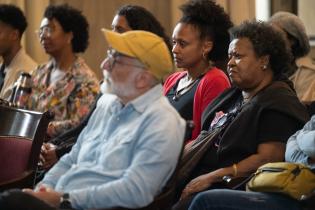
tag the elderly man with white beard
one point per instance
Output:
(131, 144)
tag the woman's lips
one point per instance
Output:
(177, 60)
(231, 72)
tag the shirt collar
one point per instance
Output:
(74, 67)
(17, 55)
(146, 99)
(305, 62)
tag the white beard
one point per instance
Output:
(121, 90)
(106, 86)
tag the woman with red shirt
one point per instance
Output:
(200, 39)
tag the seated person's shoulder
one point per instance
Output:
(306, 63)
(171, 79)
(162, 107)
(269, 128)
(106, 99)
(40, 68)
(165, 121)
(279, 94)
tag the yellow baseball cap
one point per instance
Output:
(149, 48)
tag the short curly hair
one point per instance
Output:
(266, 41)
(139, 18)
(71, 20)
(13, 16)
(212, 23)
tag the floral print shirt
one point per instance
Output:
(70, 98)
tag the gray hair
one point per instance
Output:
(294, 27)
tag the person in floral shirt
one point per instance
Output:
(65, 85)
(128, 17)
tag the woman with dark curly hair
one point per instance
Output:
(200, 39)
(65, 85)
(134, 17)
(258, 114)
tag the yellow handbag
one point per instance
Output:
(295, 180)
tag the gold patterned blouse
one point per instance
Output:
(69, 98)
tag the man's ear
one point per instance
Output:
(143, 80)
(15, 34)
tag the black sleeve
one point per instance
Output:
(276, 126)
(65, 141)
(70, 134)
(65, 147)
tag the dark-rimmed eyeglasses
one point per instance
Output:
(112, 59)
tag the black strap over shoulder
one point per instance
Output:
(220, 102)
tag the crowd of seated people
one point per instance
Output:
(260, 100)
(120, 146)
(124, 156)
(200, 92)
(128, 17)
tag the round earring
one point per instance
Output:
(264, 67)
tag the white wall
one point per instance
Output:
(306, 11)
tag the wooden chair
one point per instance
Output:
(22, 133)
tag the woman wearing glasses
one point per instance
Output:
(64, 85)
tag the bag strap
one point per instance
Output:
(221, 101)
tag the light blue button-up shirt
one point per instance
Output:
(125, 154)
(301, 146)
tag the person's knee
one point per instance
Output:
(16, 200)
(9, 198)
(199, 201)
(209, 198)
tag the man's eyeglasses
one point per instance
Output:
(112, 59)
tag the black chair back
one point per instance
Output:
(24, 125)
(18, 122)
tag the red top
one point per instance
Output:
(210, 86)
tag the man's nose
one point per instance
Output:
(105, 64)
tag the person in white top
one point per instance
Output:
(15, 59)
